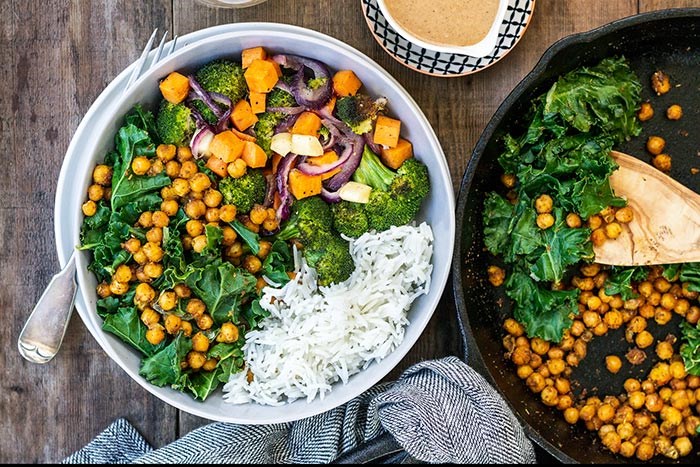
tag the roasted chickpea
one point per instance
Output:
(556, 366)
(212, 215)
(573, 220)
(234, 251)
(664, 350)
(210, 364)
(252, 264)
(613, 230)
(212, 198)
(149, 317)
(598, 237)
(683, 445)
(524, 371)
(624, 215)
(644, 339)
(172, 169)
(186, 328)
(196, 359)
(184, 153)
(645, 450)
(637, 399)
(205, 322)
(655, 145)
(195, 307)
(571, 415)
(613, 319)
(140, 257)
(118, 288)
(496, 275)
(662, 316)
(155, 235)
(646, 112)
(155, 334)
(535, 382)
(613, 363)
(513, 328)
(188, 169)
(544, 204)
(227, 213)
(662, 162)
(182, 291)
(550, 396)
(89, 208)
(677, 370)
(194, 227)
(660, 82)
(153, 270)
(591, 319)
(199, 243)
(166, 152)
(674, 112)
(545, 221)
(103, 290)
(521, 356)
(195, 208)
(102, 175)
(172, 324)
(200, 182)
(508, 180)
(228, 333)
(153, 252)
(200, 343)
(167, 192)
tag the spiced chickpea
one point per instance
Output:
(496, 275)
(544, 221)
(513, 328)
(544, 204)
(663, 162)
(535, 382)
(655, 145)
(573, 220)
(550, 396)
(646, 112)
(521, 356)
(644, 339)
(660, 82)
(508, 180)
(674, 112)
(613, 363)
(664, 350)
(598, 237)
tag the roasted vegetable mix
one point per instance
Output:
(199, 208)
(557, 206)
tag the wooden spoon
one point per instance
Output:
(666, 224)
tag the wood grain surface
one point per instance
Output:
(57, 56)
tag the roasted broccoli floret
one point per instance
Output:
(265, 129)
(224, 77)
(359, 111)
(400, 204)
(350, 218)
(330, 256)
(309, 215)
(395, 199)
(244, 192)
(279, 98)
(174, 124)
(311, 223)
(373, 172)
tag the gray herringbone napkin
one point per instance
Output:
(438, 411)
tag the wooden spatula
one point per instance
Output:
(666, 224)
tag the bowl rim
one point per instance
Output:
(242, 30)
(473, 354)
(479, 49)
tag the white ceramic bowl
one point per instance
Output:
(482, 48)
(95, 136)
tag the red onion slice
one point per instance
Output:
(330, 196)
(349, 166)
(285, 166)
(311, 169)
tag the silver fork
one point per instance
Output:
(46, 326)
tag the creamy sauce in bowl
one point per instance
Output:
(445, 22)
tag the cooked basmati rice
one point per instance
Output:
(316, 336)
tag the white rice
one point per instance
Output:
(316, 336)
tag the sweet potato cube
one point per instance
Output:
(175, 88)
(217, 166)
(248, 56)
(308, 123)
(226, 146)
(243, 116)
(253, 155)
(261, 76)
(346, 83)
(386, 131)
(394, 157)
(302, 185)
(257, 102)
(327, 158)
(276, 66)
(243, 136)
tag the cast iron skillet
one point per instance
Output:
(667, 40)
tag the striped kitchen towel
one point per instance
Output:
(440, 411)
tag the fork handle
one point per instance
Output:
(43, 332)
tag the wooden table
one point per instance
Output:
(57, 56)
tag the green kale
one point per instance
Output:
(163, 368)
(690, 349)
(126, 325)
(621, 279)
(564, 153)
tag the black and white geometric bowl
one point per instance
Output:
(430, 62)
